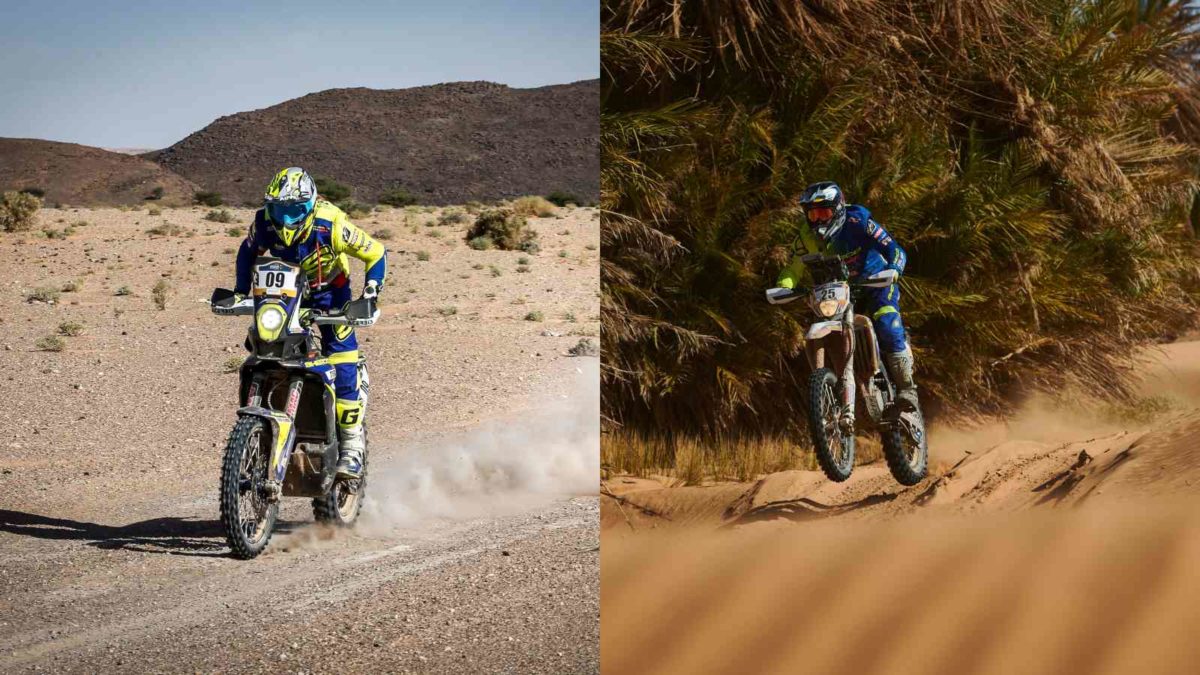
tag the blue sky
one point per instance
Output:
(142, 73)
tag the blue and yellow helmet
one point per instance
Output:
(290, 199)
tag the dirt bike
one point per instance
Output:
(844, 362)
(285, 441)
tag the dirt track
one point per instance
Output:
(477, 551)
(1031, 554)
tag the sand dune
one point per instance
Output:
(1023, 553)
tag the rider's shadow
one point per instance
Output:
(173, 536)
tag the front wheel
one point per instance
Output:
(247, 515)
(341, 505)
(906, 448)
(834, 447)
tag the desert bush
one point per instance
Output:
(482, 243)
(123, 291)
(70, 328)
(154, 211)
(533, 206)
(331, 190)
(506, 230)
(397, 197)
(50, 343)
(170, 230)
(495, 270)
(386, 234)
(18, 211)
(51, 233)
(560, 198)
(219, 216)
(156, 194)
(423, 255)
(46, 294)
(535, 315)
(452, 217)
(585, 347)
(160, 293)
(35, 191)
(72, 286)
(447, 311)
(206, 198)
(233, 364)
(1005, 162)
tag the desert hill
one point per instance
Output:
(446, 143)
(79, 174)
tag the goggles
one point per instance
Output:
(288, 214)
(819, 214)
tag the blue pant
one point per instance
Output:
(883, 306)
(340, 345)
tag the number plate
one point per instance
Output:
(275, 279)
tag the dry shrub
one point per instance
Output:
(507, 230)
(160, 293)
(533, 206)
(692, 461)
(18, 211)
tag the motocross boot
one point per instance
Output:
(350, 459)
(900, 367)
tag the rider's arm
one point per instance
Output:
(349, 238)
(877, 238)
(250, 249)
(795, 271)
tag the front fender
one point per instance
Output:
(283, 434)
(821, 329)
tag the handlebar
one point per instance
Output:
(780, 296)
(361, 313)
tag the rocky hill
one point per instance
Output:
(446, 143)
(78, 174)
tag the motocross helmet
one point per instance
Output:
(290, 199)
(825, 208)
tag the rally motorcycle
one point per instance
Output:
(843, 352)
(285, 441)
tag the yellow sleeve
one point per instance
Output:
(795, 271)
(350, 239)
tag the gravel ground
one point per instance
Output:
(111, 557)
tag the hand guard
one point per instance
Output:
(371, 290)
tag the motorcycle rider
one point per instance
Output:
(848, 231)
(297, 226)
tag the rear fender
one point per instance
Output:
(283, 436)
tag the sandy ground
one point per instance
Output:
(1056, 542)
(478, 546)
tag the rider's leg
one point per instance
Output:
(340, 345)
(893, 342)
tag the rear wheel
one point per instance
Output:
(247, 516)
(833, 447)
(341, 505)
(906, 448)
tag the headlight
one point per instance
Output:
(271, 318)
(827, 308)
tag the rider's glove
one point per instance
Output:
(371, 290)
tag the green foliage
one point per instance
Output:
(560, 198)
(222, 216)
(331, 190)
(46, 294)
(507, 231)
(70, 328)
(205, 198)
(50, 343)
(156, 193)
(1037, 160)
(18, 211)
(397, 197)
(535, 316)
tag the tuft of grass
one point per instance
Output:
(70, 328)
(50, 343)
(170, 230)
(154, 211)
(386, 234)
(560, 198)
(483, 243)
(219, 216)
(233, 364)
(72, 286)
(692, 462)
(423, 255)
(123, 291)
(495, 270)
(507, 230)
(523, 260)
(522, 269)
(208, 198)
(18, 211)
(46, 294)
(452, 217)
(447, 311)
(535, 315)
(160, 293)
(156, 194)
(397, 197)
(533, 206)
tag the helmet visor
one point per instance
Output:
(820, 214)
(288, 214)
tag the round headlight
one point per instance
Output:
(827, 308)
(271, 318)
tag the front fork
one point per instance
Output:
(816, 353)
(284, 427)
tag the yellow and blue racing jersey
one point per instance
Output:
(325, 239)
